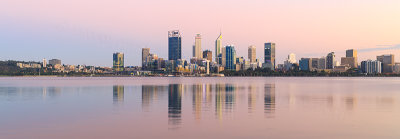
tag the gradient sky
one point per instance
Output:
(89, 31)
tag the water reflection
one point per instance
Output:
(174, 104)
(269, 99)
(150, 93)
(118, 94)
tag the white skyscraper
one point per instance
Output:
(292, 58)
(197, 52)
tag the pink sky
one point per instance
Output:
(308, 28)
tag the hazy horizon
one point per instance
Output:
(89, 31)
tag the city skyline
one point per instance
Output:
(55, 31)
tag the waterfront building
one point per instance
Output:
(207, 54)
(269, 55)
(54, 62)
(387, 62)
(230, 57)
(252, 53)
(174, 45)
(118, 61)
(218, 49)
(371, 67)
(330, 60)
(288, 63)
(305, 64)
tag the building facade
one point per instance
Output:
(54, 62)
(252, 53)
(387, 63)
(371, 67)
(207, 54)
(230, 57)
(174, 45)
(269, 55)
(197, 52)
(330, 60)
(118, 61)
(145, 54)
(218, 49)
(305, 64)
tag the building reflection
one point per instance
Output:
(269, 99)
(118, 94)
(174, 104)
(252, 97)
(197, 90)
(224, 99)
(151, 93)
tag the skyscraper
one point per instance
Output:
(305, 64)
(351, 53)
(207, 54)
(118, 61)
(197, 53)
(230, 57)
(292, 58)
(145, 54)
(252, 53)
(387, 62)
(269, 55)
(218, 47)
(174, 45)
(350, 59)
(330, 60)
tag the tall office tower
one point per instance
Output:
(207, 54)
(230, 57)
(370, 66)
(387, 62)
(174, 45)
(54, 62)
(350, 59)
(223, 57)
(118, 61)
(218, 47)
(351, 53)
(330, 60)
(44, 64)
(269, 55)
(197, 52)
(322, 63)
(252, 53)
(145, 54)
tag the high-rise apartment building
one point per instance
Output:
(207, 54)
(230, 57)
(269, 55)
(322, 63)
(252, 53)
(54, 62)
(197, 52)
(118, 61)
(330, 60)
(351, 53)
(174, 45)
(387, 62)
(371, 67)
(218, 48)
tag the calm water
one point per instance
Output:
(311, 108)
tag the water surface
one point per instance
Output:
(237, 107)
